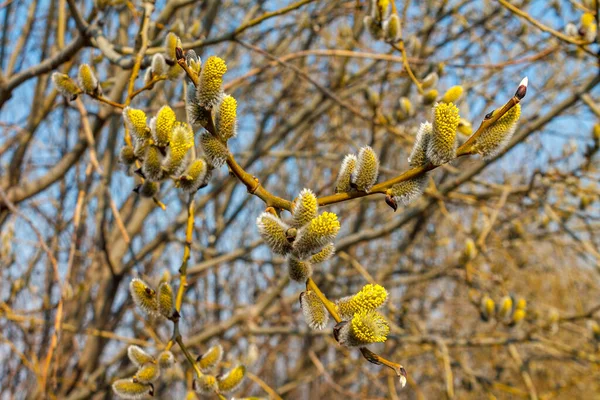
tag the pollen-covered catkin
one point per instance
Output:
(209, 360)
(166, 303)
(325, 254)
(147, 373)
(418, 155)
(209, 90)
(226, 118)
(315, 314)
(364, 328)
(194, 177)
(299, 270)
(232, 379)
(152, 166)
(66, 86)
(182, 140)
(214, 150)
(87, 80)
(143, 296)
(370, 297)
(136, 123)
(138, 356)
(442, 143)
(162, 126)
(408, 191)
(304, 208)
(344, 178)
(317, 234)
(128, 389)
(206, 384)
(496, 137)
(365, 174)
(273, 231)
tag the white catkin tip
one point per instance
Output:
(402, 381)
(524, 82)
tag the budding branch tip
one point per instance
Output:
(522, 90)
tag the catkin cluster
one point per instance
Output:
(149, 369)
(382, 23)
(158, 303)
(358, 172)
(509, 311)
(210, 383)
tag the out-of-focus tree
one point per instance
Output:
(153, 256)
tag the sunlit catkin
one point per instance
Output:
(152, 166)
(147, 373)
(406, 192)
(299, 270)
(128, 389)
(365, 173)
(143, 296)
(166, 360)
(325, 254)
(465, 127)
(273, 231)
(344, 178)
(517, 317)
(162, 126)
(487, 307)
(206, 384)
(317, 234)
(232, 380)
(209, 360)
(418, 155)
(370, 297)
(209, 90)
(147, 189)
(136, 123)
(364, 328)
(66, 86)
(226, 118)
(442, 144)
(166, 302)
(304, 208)
(496, 137)
(315, 313)
(171, 43)
(214, 150)
(392, 29)
(158, 66)
(87, 80)
(182, 140)
(505, 308)
(138, 356)
(452, 94)
(194, 177)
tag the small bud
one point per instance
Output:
(418, 155)
(209, 360)
(273, 231)
(452, 94)
(299, 270)
(128, 389)
(194, 177)
(148, 189)
(126, 155)
(232, 380)
(517, 317)
(521, 304)
(496, 137)
(182, 140)
(138, 356)
(392, 29)
(430, 97)
(408, 191)
(205, 384)
(505, 308)
(159, 66)
(317, 234)
(594, 328)
(470, 250)
(370, 297)
(209, 91)
(365, 174)
(571, 30)
(405, 108)
(166, 360)
(152, 167)
(343, 182)
(325, 254)
(148, 373)
(226, 118)
(372, 97)
(166, 302)
(214, 150)
(143, 296)
(304, 208)
(136, 123)
(315, 313)
(364, 328)
(390, 201)
(522, 89)
(161, 126)
(442, 144)
(193, 62)
(487, 308)
(66, 86)
(430, 81)
(87, 80)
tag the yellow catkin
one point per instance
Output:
(370, 297)
(128, 389)
(147, 373)
(496, 137)
(273, 231)
(392, 30)
(152, 167)
(171, 43)
(521, 304)
(315, 313)
(305, 208)
(325, 254)
(162, 126)
(226, 121)
(299, 270)
(206, 384)
(517, 317)
(487, 308)
(211, 358)
(86, 78)
(232, 379)
(505, 308)
(442, 144)
(138, 356)
(317, 234)
(367, 169)
(209, 91)
(430, 96)
(344, 178)
(406, 192)
(65, 85)
(465, 127)
(166, 303)
(136, 123)
(452, 94)
(166, 360)
(182, 140)
(143, 296)
(418, 155)
(364, 328)
(194, 177)
(214, 150)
